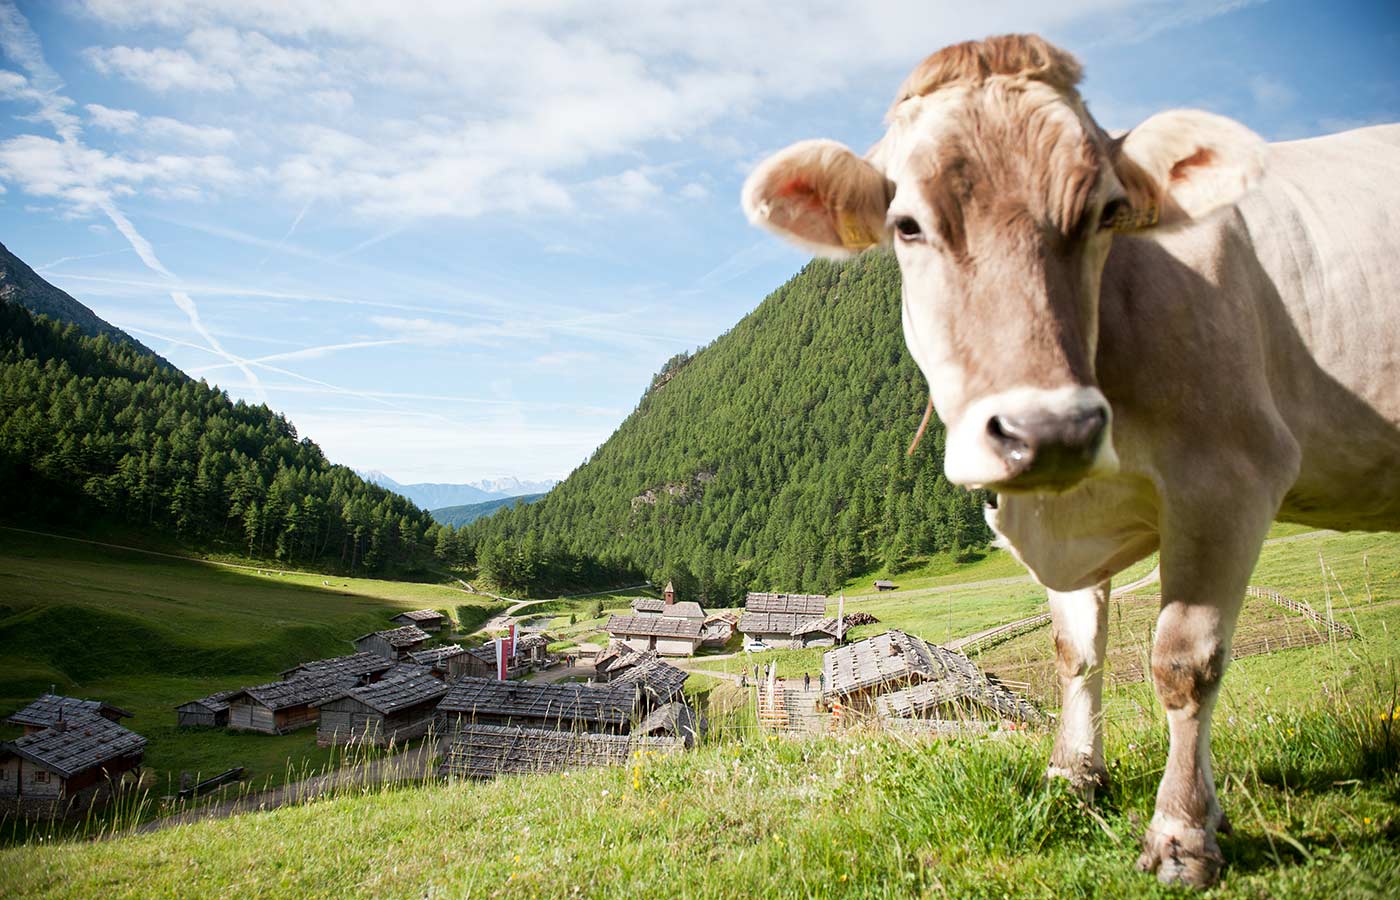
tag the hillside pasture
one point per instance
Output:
(149, 632)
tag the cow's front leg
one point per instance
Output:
(1203, 586)
(1079, 620)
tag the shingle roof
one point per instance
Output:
(420, 615)
(437, 656)
(662, 680)
(922, 676)
(405, 687)
(485, 751)
(399, 638)
(883, 659)
(532, 640)
(49, 708)
(647, 605)
(619, 656)
(357, 665)
(217, 701)
(655, 626)
(560, 704)
(683, 609)
(786, 623)
(305, 689)
(86, 741)
(807, 605)
(676, 719)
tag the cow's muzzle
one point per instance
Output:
(1047, 451)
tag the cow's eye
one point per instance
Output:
(907, 228)
(1114, 212)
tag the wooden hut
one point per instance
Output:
(885, 585)
(49, 709)
(430, 620)
(661, 681)
(363, 667)
(481, 661)
(449, 662)
(618, 658)
(532, 650)
(667, 635)
(283, 706)
(206, 712)
(482, 751)
(901, 676)
(68, 766)
(397, 708)
(718, 629)
(395, 643)
(785, 621)
(532, 704)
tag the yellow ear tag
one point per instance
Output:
(854, 233)
(1135, 220)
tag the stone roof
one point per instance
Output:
(355, 665)
(405, 687)
(661, 680)
(562, 705)
(920, 677)
(888, 658)
(486, 751)
(786, 623)
(305, 689)
(84, 742)
(805, 605)
(655, 626)
(420, 615)
(49, 708)
(216, 702)
(438, 656)
(399, 638)
(675, 719)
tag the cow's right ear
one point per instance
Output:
(820, 196)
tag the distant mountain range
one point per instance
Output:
(457, 516)
(430, 495)
(21, 284)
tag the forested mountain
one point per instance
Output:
(96, 429)
(773, 458)
(468, 513)
(21, 284)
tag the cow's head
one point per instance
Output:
(1001, 196)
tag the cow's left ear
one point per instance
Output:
(820, 196)
(1181, 166)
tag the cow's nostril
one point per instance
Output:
(1009, 438)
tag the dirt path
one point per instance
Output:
(411, 766)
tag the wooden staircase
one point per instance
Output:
(790, 709)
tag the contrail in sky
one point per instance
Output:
(22, 45)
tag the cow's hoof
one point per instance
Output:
(1085, 780)
(1185, 856)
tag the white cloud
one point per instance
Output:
(631, 190)
(126, 121)
(212, 60)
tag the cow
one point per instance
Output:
(1163, 340)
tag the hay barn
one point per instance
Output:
(363, 667)
(430, 620)
(561, 707)
(68, 766)
(283, 706)
(399, 707)
(395, 643)
(206, 712)
(450, 662)
(901, 676)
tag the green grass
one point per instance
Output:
(1312, 795)
(148, 633)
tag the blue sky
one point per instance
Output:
(454, 240)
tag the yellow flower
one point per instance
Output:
(517, 859)
(843, 876)
(1366, 820)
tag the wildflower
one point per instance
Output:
(843, 876)
(1366, 820)
(517, 859)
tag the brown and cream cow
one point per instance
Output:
(1162, 340)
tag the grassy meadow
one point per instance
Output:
(1307, 759)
